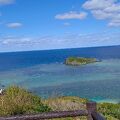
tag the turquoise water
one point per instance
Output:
(99, 81)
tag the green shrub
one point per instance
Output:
(16, 101)
(19, 101)
(79, 60)
(109, 109)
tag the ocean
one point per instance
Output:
(45, 74)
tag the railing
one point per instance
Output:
(90, 113)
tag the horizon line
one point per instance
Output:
(58, 49)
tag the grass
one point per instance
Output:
(19, 101)
(111, 111)
(16, 101)
(66, 103)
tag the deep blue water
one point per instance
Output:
(44, 73)
(23, 59)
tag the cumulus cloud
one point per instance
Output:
(98, 4)
(105, 10)
(72, 15)
(100, 14)
(14, 25)
(6, 2)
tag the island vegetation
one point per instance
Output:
(16, 101)
(76, 61)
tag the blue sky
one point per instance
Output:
(54, 24)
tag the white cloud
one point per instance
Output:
(114, 23)
(72, 15)
(20, 43)
(9, 40)
(100, 14)
(105, 9)
(14, 25)
(6, 2)
(98, 4)
(113, 8)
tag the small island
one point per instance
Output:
(76, 61)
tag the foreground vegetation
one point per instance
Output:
(76, 61)
(110, 111)
(16, 101)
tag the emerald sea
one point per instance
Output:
(45, 74)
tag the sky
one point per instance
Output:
(27, 25)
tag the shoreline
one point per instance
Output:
(106, 101)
